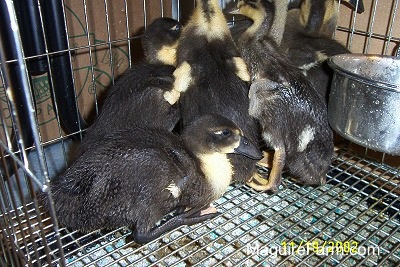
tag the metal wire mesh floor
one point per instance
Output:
(359, 207)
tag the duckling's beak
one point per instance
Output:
(360, 6)
(246, 148)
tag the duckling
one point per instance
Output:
(293, 116)
(137, 175)
(160, 41)
(136, 98)
(212, 77)
(319, 18)
(308, 39)
(277, 23)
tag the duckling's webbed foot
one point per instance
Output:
(275, 176)
(186, 218)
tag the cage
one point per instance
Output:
(59, 56)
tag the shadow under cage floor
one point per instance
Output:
(353, 220)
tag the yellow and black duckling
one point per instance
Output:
(319, 17)
(308, 38)
(292, 114)
(160, 41)
(276, 26)
(212, 78)
(137, 175)
(136, 98)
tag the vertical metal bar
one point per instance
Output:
(128, 34)
(383, 158)
(50, 71)
(109, 41)
(390, 32)
(162, 8)
(178, 10)
(3, 121)
(338, 12)
(398, 51)
(353, 24)
(144, 14)
(80, 120)
(85, 12)
(371, 27)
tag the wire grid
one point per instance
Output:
(372, 31)
(359, 204)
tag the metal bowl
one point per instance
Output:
(364, 102)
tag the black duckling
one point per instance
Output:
(308, 39)
(135, 176)
(136, 98)
(213, 78)
(292, 114)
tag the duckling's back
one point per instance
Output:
(136, 98)
(217, 76)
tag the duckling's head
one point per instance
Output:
(215, 134)
(211, 138)
(318, 16)
(160, 41)
(261, 12)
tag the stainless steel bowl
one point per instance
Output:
(364, 102)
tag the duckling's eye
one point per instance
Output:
(224, 133)
(177, 28)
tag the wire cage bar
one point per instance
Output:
(353, 220)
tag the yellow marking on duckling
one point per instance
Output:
(215, 28)
(167, 54)
(305, 12)
(230, 149)
(321, 56)
(331, 11)
(241, 69)
(183, 78)
(218, 171)
(257, 15)
(172, 96)
(174, 190)
(306, 136)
